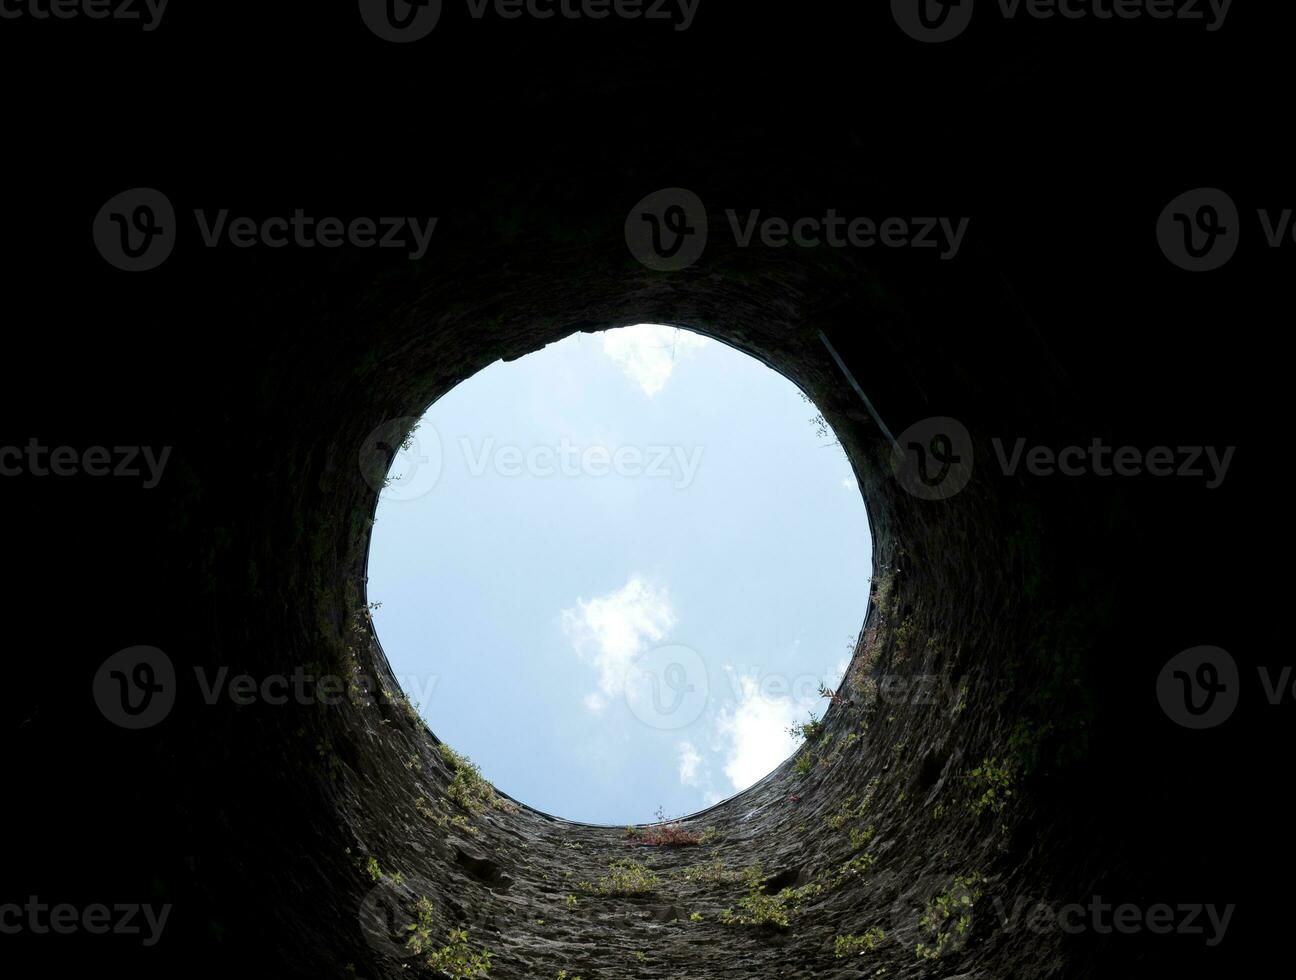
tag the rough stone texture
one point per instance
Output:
(959, 573)
(267, 370)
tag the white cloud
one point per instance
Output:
(695, 772)
(647, 352)
(690, 765)
(610, 631)
(754, 730)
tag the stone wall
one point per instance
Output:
(966, 594)
(1055, 776)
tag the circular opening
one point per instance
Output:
(617, 571)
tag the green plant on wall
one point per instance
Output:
(947, 919)
(713, 872)
(624, 877)
(808, 730)
(467, 786)
(993, 784)
(759, 908)
(904, 637)
(844, 946)
(455, 959)
(456, 820)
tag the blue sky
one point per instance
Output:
(612, 572)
